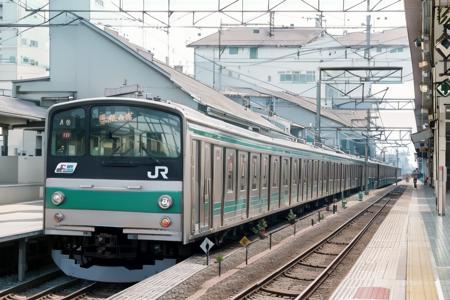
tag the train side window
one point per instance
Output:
(264, 175)
(275, 173)
(230, 162)
(286, 171)
(243, 172)
(255, 172)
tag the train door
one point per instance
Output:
(255, 204)
(217, 187)
(332, 178)
(274, 193)
(242, 199)
(309, 180)
(229, 204)
(294, 180)
(315, 179)
(326, 178)
(265, 163)
(205, 186)
(285, 182)
(195, 188)
(320, 178)
(300, 179)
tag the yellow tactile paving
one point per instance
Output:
(420, 282)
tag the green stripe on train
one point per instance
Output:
(143, 201)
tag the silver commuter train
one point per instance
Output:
(130, 183)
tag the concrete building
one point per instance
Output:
(288, 58)
(23, 50)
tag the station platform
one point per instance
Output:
(408, 256)
(20, 220)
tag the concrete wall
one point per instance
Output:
(20, 193)
(30, 169)
(8, 169)
(21, 169)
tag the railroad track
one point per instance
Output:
(302, 276)
(54, 285)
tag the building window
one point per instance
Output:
(34, 44)
(12, 59)
(379, 49)
(1, 11)
(253, 53)
(298, 77)
(23, 42)
(233, 50)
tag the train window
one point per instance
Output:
(265, 171)
(275, 173)
(69, 133)
(255, 172)
(229, 178)
(243, 172)
(128, 131)
(285, 171)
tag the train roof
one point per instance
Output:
(194, 116)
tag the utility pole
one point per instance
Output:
(318, 108)
(396, 167)
(366, 161)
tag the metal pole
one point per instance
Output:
(22, 260)
(366, 160)
(319, 83)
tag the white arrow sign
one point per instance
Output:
(206, 245)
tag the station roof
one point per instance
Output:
(200, 92)
(261, 36)
(343, 117)
(390, 37)
(14, 111)
(296, 37)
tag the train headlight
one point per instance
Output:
(58, 217)
(58, 198)
(165, 222)
(165, 202)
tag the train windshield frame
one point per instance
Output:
(115, 130)
(132, 131)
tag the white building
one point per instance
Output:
(289, 58)
(23, 50)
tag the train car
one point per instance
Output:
(130, 183)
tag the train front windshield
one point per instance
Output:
(96, 134)
(120, 131)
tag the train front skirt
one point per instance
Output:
(117, 274)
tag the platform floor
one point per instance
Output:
(20, 220)
(408, 257)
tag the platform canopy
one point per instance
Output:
(15, 112)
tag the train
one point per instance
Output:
(130, 184)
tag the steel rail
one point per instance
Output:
(80, 292)
(261, 283)
(30, 283)
(50, 290)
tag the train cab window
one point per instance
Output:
(127, 131)
(68, 133)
